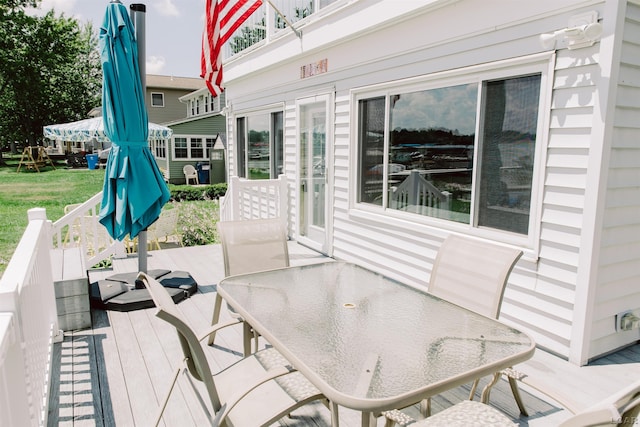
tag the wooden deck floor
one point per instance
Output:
(115, 373)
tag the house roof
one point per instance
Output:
(172, 82)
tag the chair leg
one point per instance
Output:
(425, 407)
(335, 421)
(247, 334)
(216, 318)
(516, 395)
(166, 399)
(487, 389)
(474, 387)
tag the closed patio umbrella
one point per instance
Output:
(134, 188)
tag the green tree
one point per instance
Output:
(49, 71)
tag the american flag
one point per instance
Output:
(223, 18)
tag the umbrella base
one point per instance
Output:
(121, 292)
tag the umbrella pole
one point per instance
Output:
(137, 12)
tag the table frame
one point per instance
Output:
(370, 407)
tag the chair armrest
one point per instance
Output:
(233, 401)
(218, 326)
(545, 388)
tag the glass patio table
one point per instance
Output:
(369, 342)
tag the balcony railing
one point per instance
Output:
(255, 199)
(267, 22)
(28, 327)
(80, 227)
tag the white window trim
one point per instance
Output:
(257, 111)
(151, 100)
(189, 157)
(539, 63)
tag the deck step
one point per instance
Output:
(71, 284)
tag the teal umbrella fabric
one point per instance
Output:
(134, 188)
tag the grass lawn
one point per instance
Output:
(54, 189)
(50, 189)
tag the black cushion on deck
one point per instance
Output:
(137, 299)
(180, 280)
(130, 278)
(121, 292)
(103, 290)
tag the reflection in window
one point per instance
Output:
(508, 141)
(258, 150)
(241, 143)
(428, 167)
(260, 144)
(371, 137)
(431, 151)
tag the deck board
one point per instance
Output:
(117, 372)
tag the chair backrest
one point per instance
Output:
(165, 225)
(621, 409)
(189, 170)
(417, 191)
(253, 245)
(194, 355)
(472, 273)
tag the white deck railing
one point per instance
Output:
(28, 327)
(266, 23)
(80, 227)
(255, 199)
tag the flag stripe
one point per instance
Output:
(223, 18)
(233, 15)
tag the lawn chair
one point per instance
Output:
(190, 173)
(255, 391)
(165, 226)
(473, 274)
(621, 409)
(249, 246)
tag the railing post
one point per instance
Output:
(284, 199)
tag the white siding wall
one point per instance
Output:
(619, 251)
(543, 288)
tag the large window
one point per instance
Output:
(158, 148)
(461, 152)
(192, 147)
(260, 143)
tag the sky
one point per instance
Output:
(173, 30)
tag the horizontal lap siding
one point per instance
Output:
(540, 295)
(541, 292)
(291, 162)
(619, 261)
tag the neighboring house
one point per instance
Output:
(193, 137)
(163, 96)
(531, 145)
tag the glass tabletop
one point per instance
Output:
(360, 336)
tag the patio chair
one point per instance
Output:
(249, 246)
(473, 274)
(190, 173)
(621, 409)
(255, 391)
(165, 226)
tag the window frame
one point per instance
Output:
(542, 64)
(274, 149)
(162, 97)
(204, 146)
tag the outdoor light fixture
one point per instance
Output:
(583, 31)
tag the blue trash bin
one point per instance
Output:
(92, 161)
(203, 172)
